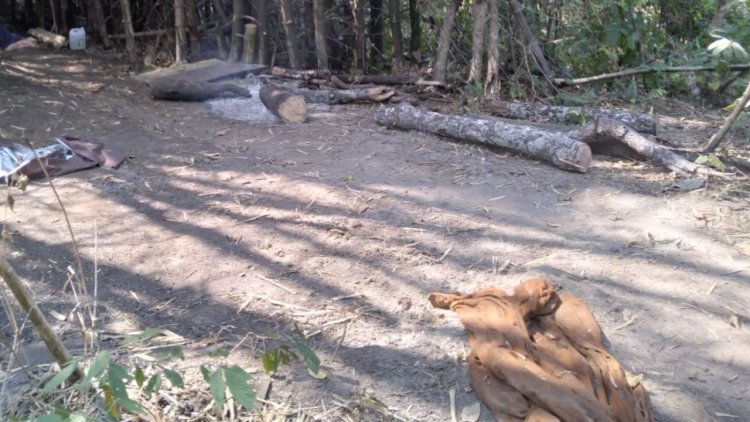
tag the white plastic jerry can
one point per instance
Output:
(77, 39)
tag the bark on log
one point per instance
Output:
(302, 75)
(556, 148)
(644, 123)
(144, 34)
(388, 80)
(288, 107)
(49, 38)
(344, 96)
(609, 130)
(185, 90)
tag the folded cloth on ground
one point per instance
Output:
(538, 356)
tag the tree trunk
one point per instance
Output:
(64, 6)
(444, 41)
(292, 43)
(397, 42)
(192, 22)
(262, 21)
(531, 43)
(235, 43)
(377, 28)
(96, 13)
(127, 23)
(309, 58)
(251, 34)
(556, 148)
(415, 21)
(221, 40)
(479, 12)
(321, 45)
(492, 81)
(181, 45)
(360, 42)
(286, 106)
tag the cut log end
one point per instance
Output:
(287, 107)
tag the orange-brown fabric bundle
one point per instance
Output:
(538, 356)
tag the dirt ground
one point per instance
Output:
(222, 230)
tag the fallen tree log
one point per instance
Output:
(344, 96)
(301, 75)
(286, 106)
(387, 80)
(49, 38)
(641, 122)
(143, 34)
(561, 82)
(171, 89)
(609, 130)
(556, 148)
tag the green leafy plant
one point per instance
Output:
(283, 355)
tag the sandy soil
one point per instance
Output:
(355, 225)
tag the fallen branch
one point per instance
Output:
(556, 148)
(609, 130)
(719, 136)
(561, 82)
(344, 96)
(143, 34)
(49, 38)
(644, 123)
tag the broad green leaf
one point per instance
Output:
(150, 332)
(206, 373)
(216, 385)
(140, 377)
(311, 359)
(154, 383)
(712, 160)
(101, 362)
(109, 400)
(271, 361)
(174, 378)
(116, 375)
(320, 375)
(61, 376)
(238, 385)
(221, 352)
(77, 418)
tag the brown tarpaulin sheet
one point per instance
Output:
(538, 356)
(87, 155)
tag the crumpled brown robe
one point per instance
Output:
(538, 356)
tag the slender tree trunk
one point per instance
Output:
(64, 6)
(96, 18)
(127, 23)
(221, 40)
(397, 42)
(251, 36)
(531, 42)
(321, 46)
(181, 45)
(415, 20)
(309, 58)
(719, 136)
(492, 82)
(376, 34)
(292, 43)
(192, 22)
(235, 45)
(444, 41)
(262, 21)
(360, 42)
(479, 12)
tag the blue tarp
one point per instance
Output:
(7, 37)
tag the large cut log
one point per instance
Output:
(186, 90)
(344, 96)
(645, 123)
(302, 75)
(49, 38)
(556, 148)
(288, 107)
(606, 130)
(388, 80)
